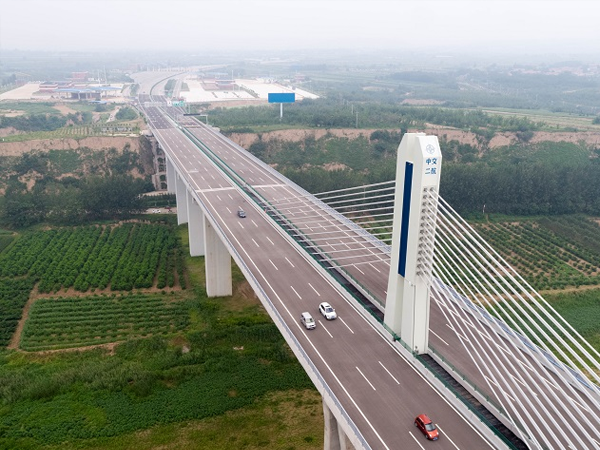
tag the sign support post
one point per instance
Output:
(281, 98)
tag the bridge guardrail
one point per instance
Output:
(275, 213)
(289, 336)
(481, 417)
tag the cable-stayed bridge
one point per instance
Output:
(486, 326)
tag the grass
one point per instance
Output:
(75, 322)
(290, 420)
(560, 120)
(71, 132)
(582, 310)
(228, 380)
(28, 107)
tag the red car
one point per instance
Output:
(427, 427)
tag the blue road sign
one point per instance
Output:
(283, 97)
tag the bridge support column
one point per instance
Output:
(181, 195)
(415, 210)
(335, 438)
(217, 264)
(195, 227)
(170, 176)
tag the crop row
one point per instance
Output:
(73, 322)
(125, 257)
(13, 296)
(545, 258)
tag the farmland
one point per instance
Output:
(187, 369)
(13, 296)
(76, 322)
(550, 253)
(116, 257)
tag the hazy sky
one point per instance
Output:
(439, 25)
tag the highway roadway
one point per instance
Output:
(371, 267)
(351, 352)
(380, 390)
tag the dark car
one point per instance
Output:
(427, 427)
(241, 213)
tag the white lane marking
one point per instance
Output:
(272, 243)
(313, 288)
(219, 198)
(389, 373)
(273, 264)
(356, 267)
(375, 268)
(438, 336)
(325, 328)
(255, 243)
(499, 388)
(228, 209)
(254, 223)
(448, 437)
(230, 196)
(366, 379)
(289, 262)
(296, 292)
(457, 333)
(346, 325)
(240, 224)
(418, 443)
(329, 368)
(521, 382)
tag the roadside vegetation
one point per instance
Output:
(550, 253)
(184, 365)
(47, 120)
(66, 187)
(123, 349)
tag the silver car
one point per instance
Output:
(307, 320)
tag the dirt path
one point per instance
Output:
(16, 337)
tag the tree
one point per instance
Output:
(126, 113)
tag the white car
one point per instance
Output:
(327, 311)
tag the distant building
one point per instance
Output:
(79, 76)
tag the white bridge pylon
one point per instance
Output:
(417, 185)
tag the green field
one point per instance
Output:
(552, 119)
(29, 107)
(125, 257)
(210, 373)
(77, 322)
(550, 253)
(14, 293)
(70, 132)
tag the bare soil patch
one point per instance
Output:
(16, 337)
(450, 134)
(64, 109)
(95, 143)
